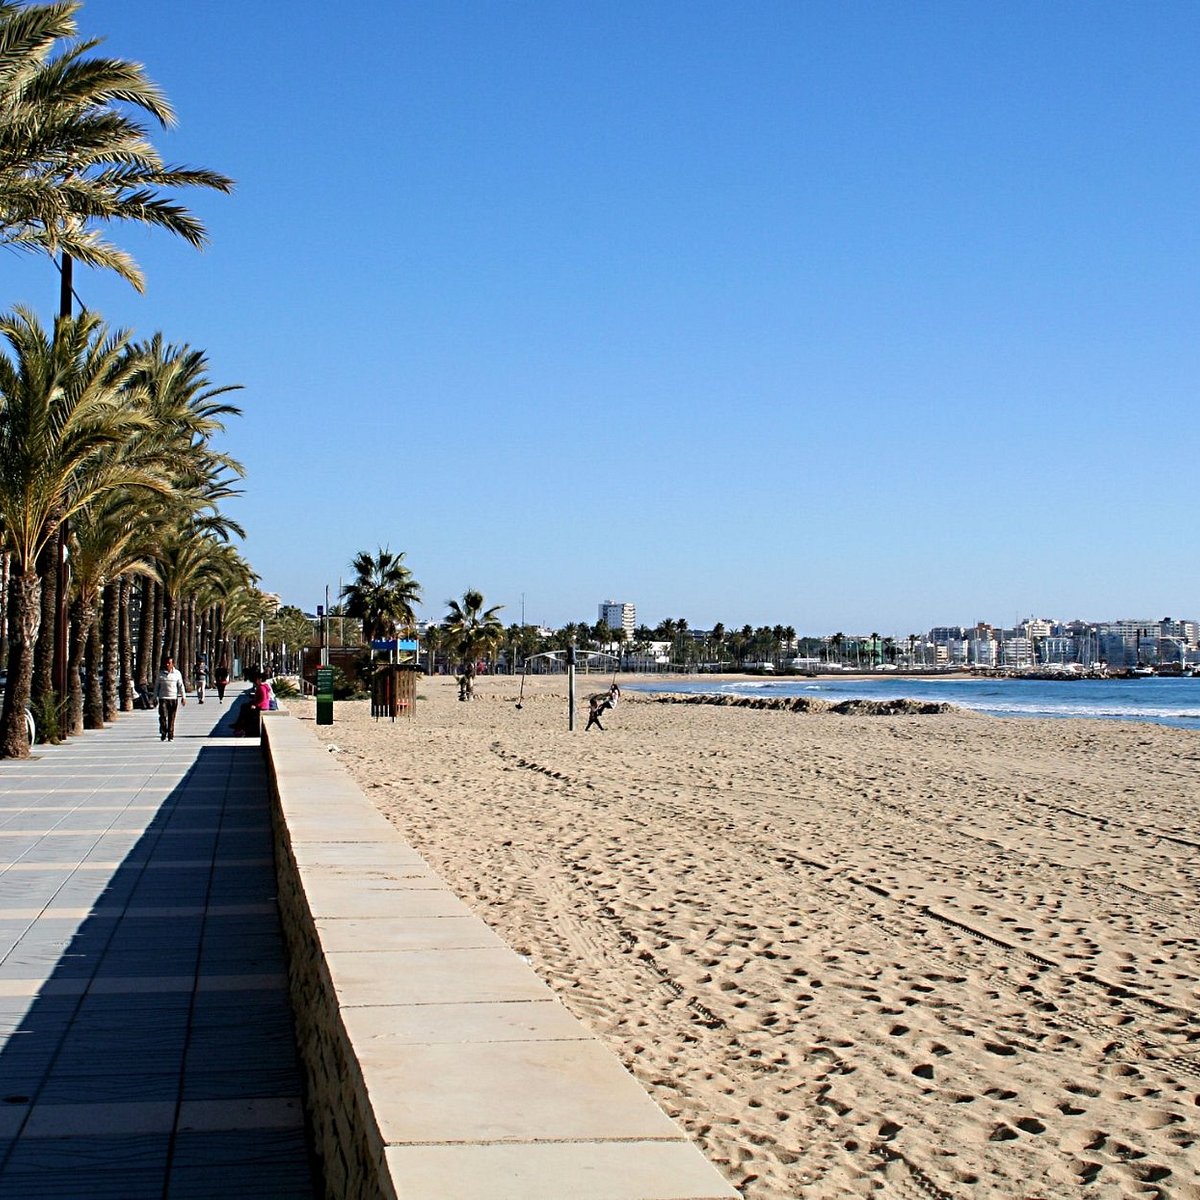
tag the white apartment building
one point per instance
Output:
(1016, 652)
(982, 651)
(617, 615)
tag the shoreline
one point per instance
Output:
(854, 956)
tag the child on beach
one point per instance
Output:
(596, 708)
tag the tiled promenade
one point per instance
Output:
(146, 1043)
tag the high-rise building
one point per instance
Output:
(617, 615)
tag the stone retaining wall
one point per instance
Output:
(439, 1066)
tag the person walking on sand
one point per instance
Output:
(221, 678)
(168, 691)
(595, 708)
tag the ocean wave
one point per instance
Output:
(1112, 712)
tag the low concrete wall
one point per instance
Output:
(439, 1066)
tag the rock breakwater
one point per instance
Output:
(900, 707)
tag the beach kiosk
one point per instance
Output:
(394, 684)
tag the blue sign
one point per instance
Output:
(395, 644)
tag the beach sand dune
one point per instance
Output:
(907, 956)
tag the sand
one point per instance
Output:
(913, 956)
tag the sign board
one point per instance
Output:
(394, 644)
(325, 696)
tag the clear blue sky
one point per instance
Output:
(847, 316)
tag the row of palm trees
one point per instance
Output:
(113, 547)
(107, 455)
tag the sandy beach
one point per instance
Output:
(908, 956)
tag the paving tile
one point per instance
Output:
(230, 1085)
(387, 851)
(406, 933)
(264, 1164)
(57, 1182)
(239, 1147)
(341, 899)
(91, 1152)
(433, 977)
(580, 1171)
(509, 1091)
(242, 1048)
(258, 1009)
(376, 1029)
(112, 1085)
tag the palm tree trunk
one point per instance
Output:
(220, 645)
(146, 669)
(24, 615)
(188, 646)
(159, 651)
(42, 680)
(80, 628)
(171, 627)
(125, 634)
(5, 568)
(110, 600)
(93, 707)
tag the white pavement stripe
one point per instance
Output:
(153, 1116)
(114, 912)
(176, 864)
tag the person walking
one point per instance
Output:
(221, 678)
(201, 674)
(168, 691)
(595, 708)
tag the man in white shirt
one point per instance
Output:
(168, 691)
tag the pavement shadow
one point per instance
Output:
(149, 1046)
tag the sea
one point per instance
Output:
(1159, 701)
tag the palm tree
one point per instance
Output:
(718, 639)
(434, 638)
(382, 594)
(64, 421)
(474, 632)
(70, 152)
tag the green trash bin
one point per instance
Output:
(325, 696)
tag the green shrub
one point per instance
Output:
(47, 716)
